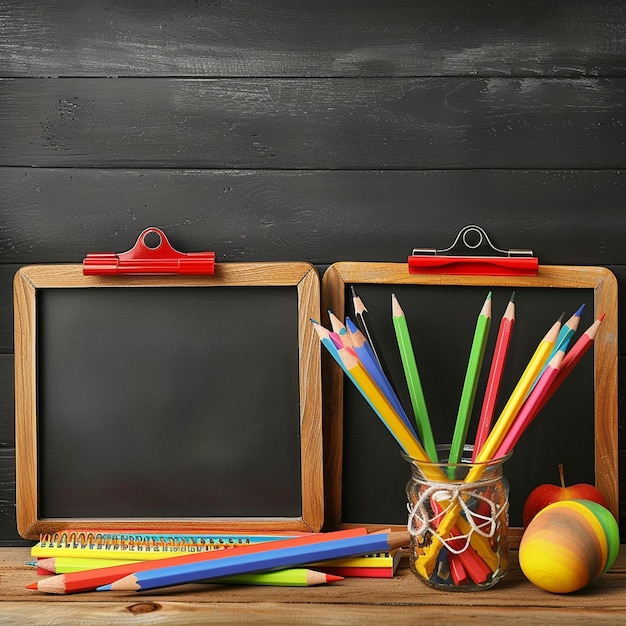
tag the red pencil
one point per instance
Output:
(76, 582)
(571, 358)
(567, 364)
(529, 410)
(495, 376)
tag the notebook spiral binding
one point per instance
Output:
(141, 542)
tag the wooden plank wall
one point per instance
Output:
(323, 131)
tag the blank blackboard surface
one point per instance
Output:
(169, 401)
(578, 427)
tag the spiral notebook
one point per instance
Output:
(139, 546)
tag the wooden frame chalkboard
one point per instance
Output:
(168, 402)
(364, 474)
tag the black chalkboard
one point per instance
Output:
(174, 401)
(441, 314)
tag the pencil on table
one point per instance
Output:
(90, 580)
(292, 577)
(272, 558)
(468, 394)
(494, 378)
(411, 374)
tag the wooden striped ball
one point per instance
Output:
(568, 545)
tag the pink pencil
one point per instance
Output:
(529, 409)
(495, 376)
(576, 352)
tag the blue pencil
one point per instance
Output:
(327, 342)
(562, 341)
(275, 558)
(366, 355)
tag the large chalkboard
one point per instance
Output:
(365, 474)
(172, 402)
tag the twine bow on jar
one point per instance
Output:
(478, 512)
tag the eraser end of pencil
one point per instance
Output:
(32, 586)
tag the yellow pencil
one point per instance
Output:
(426, 562)
(515, 401)
(384, 409)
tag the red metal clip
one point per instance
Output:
(144, 259)
(496, 263)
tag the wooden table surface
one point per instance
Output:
(401, 600)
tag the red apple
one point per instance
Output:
(546, 494)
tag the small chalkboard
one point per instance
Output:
(364, 472)
(168, 402)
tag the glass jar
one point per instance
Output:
(458, 521)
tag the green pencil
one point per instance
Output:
(471, 381)
(413, 381)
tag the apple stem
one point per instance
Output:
(561, 475)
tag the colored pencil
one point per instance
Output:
(272, 558)
(571, 358)
(336, 324)
(331, 346)
(90, 580)
(565, 335)
(427, 561)
(472, 374)
(358, 342)
(364, 322)
(528, 411)
(361, 572)
(494, 378)
(384, 409)
(294, 577)
(517, 397)
(411, 374)
(567, 331)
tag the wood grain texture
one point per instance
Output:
(376, 37)
(566, 217)
(351, 601)
(333, 131)
(304, 123)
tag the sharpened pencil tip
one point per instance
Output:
(351, 326)
(332, 578)
(580, 310)
(601, 318)
(33, 586)
(512, 299)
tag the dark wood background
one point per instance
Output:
(319, 131)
